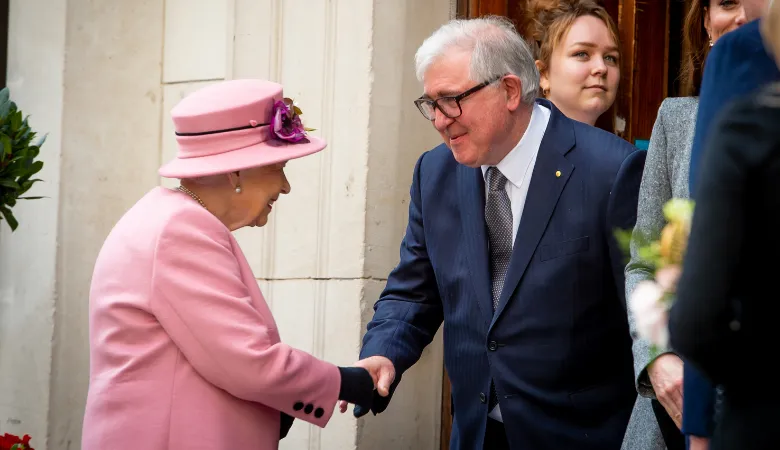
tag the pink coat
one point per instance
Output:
(184, 351)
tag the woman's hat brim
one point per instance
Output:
(265, 153)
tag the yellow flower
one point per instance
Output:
(674, 239)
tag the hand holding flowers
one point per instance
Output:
(651, 299)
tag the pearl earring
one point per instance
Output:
(238, 189)
(711, 43)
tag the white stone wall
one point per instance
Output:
(28, 257)
(101, 76)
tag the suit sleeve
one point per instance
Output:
(201, 301)
(409, 311)
(622, 212)
(655, 190)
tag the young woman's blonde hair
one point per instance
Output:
(548, 21)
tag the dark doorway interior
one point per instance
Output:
(4, 5)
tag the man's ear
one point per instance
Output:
(514, 91)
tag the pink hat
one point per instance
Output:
(235, 125)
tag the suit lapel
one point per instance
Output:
(471, 193)
(543, 194)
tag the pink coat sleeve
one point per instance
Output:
(201, 301)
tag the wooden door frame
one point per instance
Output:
(641, 94)
(476, 8)
(4, 19)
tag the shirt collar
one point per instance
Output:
(515, 163)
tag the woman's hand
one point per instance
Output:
(357, 387)
(382, 372)
(666, 376)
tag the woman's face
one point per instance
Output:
(584, 71)
(723, 16)
(260, 188)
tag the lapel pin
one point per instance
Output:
(557, 173)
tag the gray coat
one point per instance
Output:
(665, 177)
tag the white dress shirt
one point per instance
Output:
(517, 166)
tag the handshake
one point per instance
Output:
(368, 385)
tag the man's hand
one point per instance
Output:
(699, 443)
(666, 376)
(381, 370)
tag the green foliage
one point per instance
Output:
(649, 250)
(18, 155)
(679, 210)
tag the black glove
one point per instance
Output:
(284, 426)
(357, 386)
(378, 403)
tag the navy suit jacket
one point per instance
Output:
(737, 65)
(558, 346)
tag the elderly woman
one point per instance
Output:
(185, 353)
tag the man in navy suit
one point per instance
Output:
(737, 65)
(510, 244)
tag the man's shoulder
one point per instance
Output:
(747, 34)
(599, 144)
(435, 160)
(441, 154)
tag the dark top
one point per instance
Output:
(737, 65)
(724, 319)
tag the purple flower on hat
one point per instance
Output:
(286, 121)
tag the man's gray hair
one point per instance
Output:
(496, 49)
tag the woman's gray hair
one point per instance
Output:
(209, 180)
(496, 49)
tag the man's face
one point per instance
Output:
(484, 120)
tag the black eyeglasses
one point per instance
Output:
(450, 105)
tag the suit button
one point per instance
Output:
(482, 397)
(493, 346)
(308, 409)
(319, 412)
(298, 406)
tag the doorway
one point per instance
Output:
(4, 13)
(651, 37)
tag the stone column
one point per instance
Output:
(110, 73)
(28, 256)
